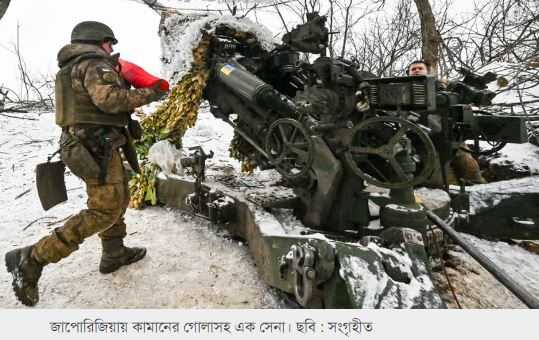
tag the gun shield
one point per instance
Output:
(51, 186)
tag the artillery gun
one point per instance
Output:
(350, 150)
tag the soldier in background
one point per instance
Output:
(463, 167)
(417, 68)
(93, 108)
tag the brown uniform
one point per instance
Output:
(92, 103)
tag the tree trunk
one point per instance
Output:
(346, 27)
(3, 7)
(429, 35)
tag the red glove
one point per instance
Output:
(139, 78)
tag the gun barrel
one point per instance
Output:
(528, 299)
(242, 82)
(252, 88)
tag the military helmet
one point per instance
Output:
(92, 32)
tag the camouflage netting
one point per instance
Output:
(244, 152)
(169, 122)
(172, 119)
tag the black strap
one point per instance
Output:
(105, 161)
(52, 155)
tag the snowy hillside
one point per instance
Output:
(190, 264)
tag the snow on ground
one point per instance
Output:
(213, 135)
(521, 157)
(188, 264)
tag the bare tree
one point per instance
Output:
(240, 8)
(388, 42)
(499, 31)
(501, 36)
(502, 30)
(36, 92)
(28, 84)
(347, 24)
(300, 8)
(430, 36)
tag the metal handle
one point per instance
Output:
(519, 291)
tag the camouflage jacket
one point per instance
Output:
(99, 78)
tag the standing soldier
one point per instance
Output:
(463, 166)
(93, 108)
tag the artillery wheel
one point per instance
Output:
(375, 144)
(289, 148)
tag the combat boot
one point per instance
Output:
(26, 272)
(115, 255)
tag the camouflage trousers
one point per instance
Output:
(463, 167)
(106, 204)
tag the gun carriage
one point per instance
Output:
(352, 148)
